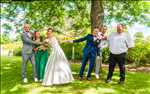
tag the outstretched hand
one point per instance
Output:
(38, 43)
(68, 41)
(105, 38)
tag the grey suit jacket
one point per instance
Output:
(28, 43)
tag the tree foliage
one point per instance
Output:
(56, 13)
(127, 11)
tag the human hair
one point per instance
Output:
(49, 29)
(35, 38)
(96, 27)
(25, 24)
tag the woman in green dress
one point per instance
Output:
(41, 56)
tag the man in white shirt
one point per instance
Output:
(118, 43)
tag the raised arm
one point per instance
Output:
(80, 40)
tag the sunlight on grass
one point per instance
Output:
(99, 91)
(106, 90)
(74, 73)
(15, 88)
(6, 68)
(39, 90)
(116, 77)
(12, 83)
(90, 91)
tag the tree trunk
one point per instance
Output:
(97, 13)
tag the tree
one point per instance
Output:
(42, 14)
(126, 11)
(97, 13)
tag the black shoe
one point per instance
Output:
(108, 81)
(120, 82)
(80, 78)
(89, 78)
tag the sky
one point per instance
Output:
(140, 28)
(137, 27)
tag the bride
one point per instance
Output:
(57, 70)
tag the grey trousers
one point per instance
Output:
(98, 64)
(25, 59)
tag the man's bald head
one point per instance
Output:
(119, 28)
(26, 27)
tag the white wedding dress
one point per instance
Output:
(57, 70)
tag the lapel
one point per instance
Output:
(28, 34)
(91, 36)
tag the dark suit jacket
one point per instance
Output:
(91, 45)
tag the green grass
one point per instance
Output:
(11, 83)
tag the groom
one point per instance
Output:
(89, 52)
(27, 53)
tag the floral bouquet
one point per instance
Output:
(44, 45)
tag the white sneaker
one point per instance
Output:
(40, 80)
(25, 80)
(97, 76)
(35, 80)
(98, 57)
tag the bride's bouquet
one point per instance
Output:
(44, 45)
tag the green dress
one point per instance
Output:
(41, 58)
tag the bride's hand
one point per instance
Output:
(68, 41)
(46, 40)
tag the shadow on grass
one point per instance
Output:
(11, 81)
(136, 83)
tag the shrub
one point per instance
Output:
(18, 52)
(105, 55)
(140, 54)
(4, 39)
(67, 47)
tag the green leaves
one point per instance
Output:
(127, 12)
(42, 14)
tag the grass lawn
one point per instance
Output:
(11, 83)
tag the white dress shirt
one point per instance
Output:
(119, 42)
(103, 44)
